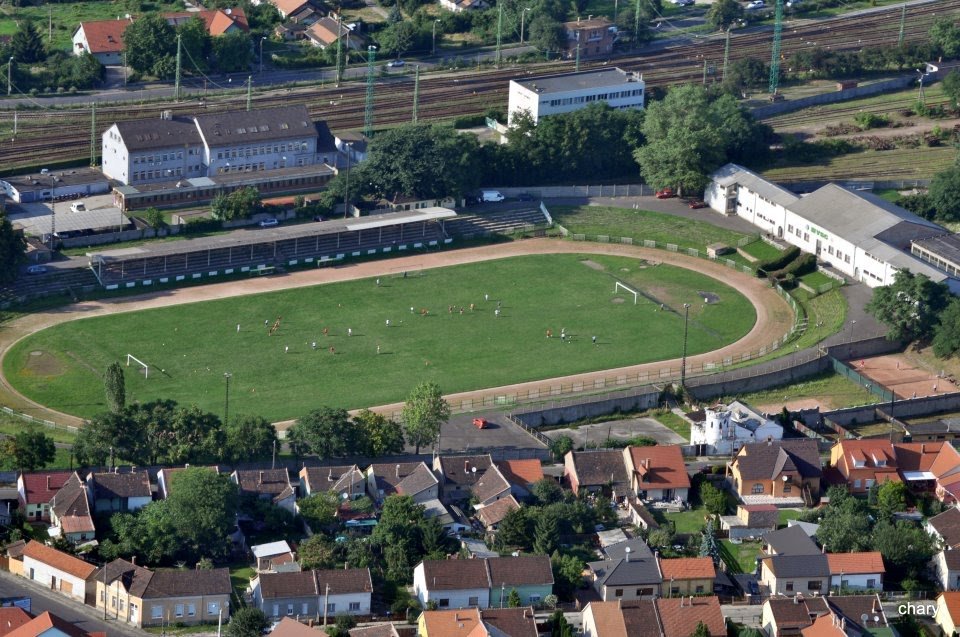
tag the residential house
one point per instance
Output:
(863, 463)
(688, 576)
(491, 515)
(791, 616)
(589, 38)
(679, 616)
(304, 594)
(414, 479)
(9, 495)
(657, 472)
(56, 570)
(451, 518)
(289, 627)
(124, 492)
(640, 516)
(166, 476)
(143, 598)
(348, 482)
(491, 486)
(326, 31)
(530, 575)
(601, 471)
(475, 622)
(11, 618)
(36, 489)
(792, 540)
(751, 520)
(459, 475)
(103, 39)
(850, 571)
(352, 144)
(47, 624)
(621, 619)
(522, 475)
(377, 630)
(217, 21)
(947, 615)
(459, 6)
(288, 8)
(267, 484)
(14, 554)
(946, 569)
(933, 431)
(930, 467)
(636, 575)
(723, 429)
(476, 548)
(791, 574)
(633, 547)
(272, 555)
(946, 527)
(70, 516)
(784, 471)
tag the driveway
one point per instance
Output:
(594, 435)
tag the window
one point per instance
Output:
(787, 488)
(121, 605)
(788, 587)
(618, 592)
(806, 236)
(444, 603)
(757, 488)
(156, 612)
(276, 610)
(856, 483)
(813, 585)
(178, 610)
(534, 599)
(699, 589)
(674, 590)
(289, 609)
(332, 607)
(102, 595)
(304, 607)
(191, 610)
(473, 601)
(213, 608)
(846, 258)
(113, 601)
(790, 228)
(870, 483)
(354, 606)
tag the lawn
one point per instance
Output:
(762, 250)
(11, 426)
(788, 514)
(688, 522)
(189, 348)
(240, 574)
(899, 163)
(643, 224)
(674, 422)
(739, 558)
(816, 279)
(828, 387)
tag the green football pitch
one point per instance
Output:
(280, 376)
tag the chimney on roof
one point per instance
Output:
(133, 560)
(646, 463)
(681, 601)
(627, 553)
(398, 471)
(456, 616)
(48, 483)
(330, 474)
(843, 623)
(260, 479)
(923, 448)
(769, 441)
(466, 466)
(796, 599)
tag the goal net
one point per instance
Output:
(146, 368)
(617, 287)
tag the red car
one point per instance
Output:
(666, 193)
(480, 423)
(696, 204)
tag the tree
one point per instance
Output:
(660, 538)
(951, 87)
(202, 507)
(233, 52)
(724, 13)
(560, 445)
(567, 575)
(239, 204)
(708, 543)
(547, 33)
(316, 552)
(147, 42)
(946, 340)
(746, 73)
(12, 249)
(844, 527)
(380, 436)
(514, 529)
(115, 387)
(944, 193)
(28, 450)
(247, 622)
(26, 45)
(945, 35)
(545, 534)
(319, 509)
(193, 436)
(701, 630)
(326, 432)
(397, 38)
(195, 43)
(100, 439)
(906, 548)
(559, 626)
(395, 16)
(891, 498)
(713, 499)
(546, 491)
(513, 599)
(424, 413)
(910, 307)
(249, 438)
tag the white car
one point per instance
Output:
(756, 4)
(269, 223)
(683, 3)
(395, 63)
(78, 207)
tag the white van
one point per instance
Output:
(491, 195)
(78, 207)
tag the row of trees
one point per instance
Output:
(150, 45)
(914, 308)
(35, 69)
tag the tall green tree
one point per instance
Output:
(150, 44)
(951, 87)
(700, 631)
(316, 552)
(104, 436)
(249, 438)
(12, 250)
(513, 599)
(202, 506)
(424, 413)
(514, 530)
(398, 38)
(945, 35)
(193, 436)
(114, 384)
(378, 435)
(946, 340)
(325, 432)
(906, 548)
(559, 626)
(944, 193)
(319, 509)
(27, 450)
(713, 499)
(546, 534)
(233, 52)
(910, 307)
(723, 13)
(247, 622)
(567, 575)
(891, 498)
(26, 45)
(195, 44)
(547, 33)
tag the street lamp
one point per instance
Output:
(522, 15)
(346, 189)
(226, 400)
(433, 49)
(9, 81)
(683, 360)
(261, 52)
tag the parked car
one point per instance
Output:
(269, 223)
(36, 269)
(696, 204)
(756, 4)
(526, 196)
(395, 63)
(480, 423)
(665, 193)
(78, 207)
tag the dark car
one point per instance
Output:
(526, 196)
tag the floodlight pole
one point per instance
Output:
(683, 359)
(226, 400)
(346, 190)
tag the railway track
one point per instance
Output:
(63, 134)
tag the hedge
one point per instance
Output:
(778, 262)
(805, 264)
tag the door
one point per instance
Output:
(780, 232)
(53, 583)
(818, 247)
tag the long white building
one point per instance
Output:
(857, 233)
(552, 94)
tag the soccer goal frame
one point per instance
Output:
(616, 290)
(146, 368)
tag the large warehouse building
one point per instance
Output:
(552, 94)
(858, 234)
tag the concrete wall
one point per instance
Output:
(732, 383)
(115, 237)
(639, 399)
(787, 106)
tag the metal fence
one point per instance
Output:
(599, 190)
(39, 421)
(885, 395)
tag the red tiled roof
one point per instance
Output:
(45, 622)
(952, 601)
(39, 488)
(217, 21)
(58, 560)
(105, 36)
(522, 472)
(494, 512)
(824, 626)
(608, 619)
(11, 618)
(680, 616)
(660, 467)
(453, 623)
(289, 7)
(855, 563)
(916, 456)
(683, 568)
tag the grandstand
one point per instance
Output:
(501, 222)
(261, 250)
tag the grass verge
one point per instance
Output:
(829, 388)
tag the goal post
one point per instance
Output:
(146, 368)
(617, 286)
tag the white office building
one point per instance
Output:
(567, 92)
(857, 233)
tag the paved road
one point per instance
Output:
(87, 618)
(746, 615)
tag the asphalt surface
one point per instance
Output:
(593, 435)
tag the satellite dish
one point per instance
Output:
(864, 618)
(876, 618)
(473, 469)
(785, 478)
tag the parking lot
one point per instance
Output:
(460, 434)
(37, 218)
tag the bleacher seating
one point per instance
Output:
(504, 222)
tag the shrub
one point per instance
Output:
(871, 120)
(804, 264)
(777, 262)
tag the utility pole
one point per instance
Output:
(93, 134)
(9, 75)
(577, 67)
(775, 53)
(903, 21)
(249, 91)
(339, 54)
(636, 26)
(499, 31)
(726, 55)
(176, 87)
(124, 68)
(226, 398)
(326, 603)
(683, 359)
(522, 16)
(416, 91)
(346, 189)
(704, 71)
(50, 24)
(368, 112)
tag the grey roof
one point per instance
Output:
(765, 460)
(854, 607)
(952, 559)
(624, 573)
(135, 484)
(337, 478)
(241, 127)
(600, 467)
(808, 527)
(736, 174)
(156, 133)
(567, 82)
(945, 246)
(55, 179)
(134, 578)
(638, 550)
(406, 478)
(943, 426)
(188, 583)
(947, 524)
(798, 565)
(792, 540)
(491, 484)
